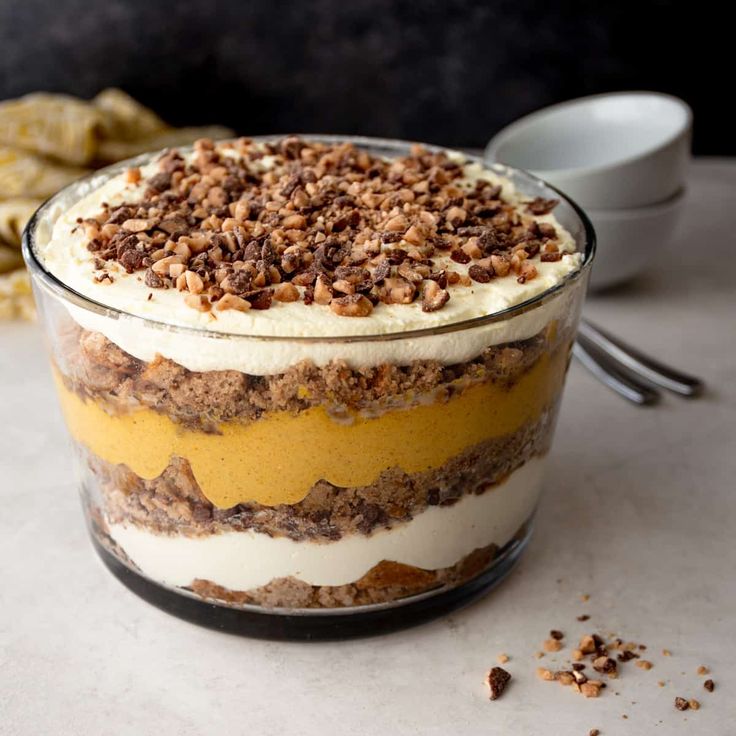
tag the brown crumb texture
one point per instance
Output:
(96, 368)
(383, 583)
(174, 503)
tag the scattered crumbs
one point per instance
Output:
(150, 295)
(681, 703)
(666, 653)
(703, 670)
(552, 645)
(661, 683)
(694, 704)
(606, 665)
(594, 732)
(585, 598)
(503, 658)
(591, 689)
(565, 678)
(556, 634)
(497, 679)
(583, 617)
(624, 716)
(545, 674)
(627, 655)
(577, 655)
(539, 655)
(709, 685)
(643, 664)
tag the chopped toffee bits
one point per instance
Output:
(251, 224)
(540, 206)
(591, 688)
(552, 645)
(627, 655)
(598, 653)
(606, 665)
(503, 658)
(497, 679)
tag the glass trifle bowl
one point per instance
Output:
(310, 383)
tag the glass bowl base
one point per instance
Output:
(316, 624)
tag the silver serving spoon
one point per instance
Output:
(628, 371)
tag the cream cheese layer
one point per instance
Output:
(437, 538)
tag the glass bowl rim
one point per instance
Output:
(39, 272)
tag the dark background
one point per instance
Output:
(450, 72)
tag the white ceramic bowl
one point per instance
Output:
(630, 240)
(610, 151)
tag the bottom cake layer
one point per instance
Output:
(440, 546)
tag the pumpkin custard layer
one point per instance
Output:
(261, 413)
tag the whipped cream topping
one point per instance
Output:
(65, 255)
(437, 538)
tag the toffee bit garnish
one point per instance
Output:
(321, 223)
(352, 305)
(540, 206)
(434, 297)
(479, 274)
(709, 685)
(681, 704)
(550, 257)
(497, 680)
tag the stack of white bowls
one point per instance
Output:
(622, 157)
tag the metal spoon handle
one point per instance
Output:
(604, 370)
(637, 362)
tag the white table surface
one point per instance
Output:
(640, 513)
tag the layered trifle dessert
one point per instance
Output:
(309, 374)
